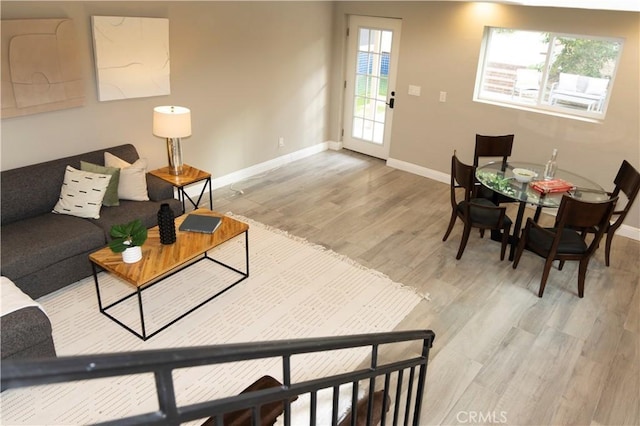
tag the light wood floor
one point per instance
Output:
(500, 351)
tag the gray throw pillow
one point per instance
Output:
(111, 195)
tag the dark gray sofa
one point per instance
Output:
(26, 333)
(43, 251)
(26, 329)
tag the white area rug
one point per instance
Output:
(295, 290)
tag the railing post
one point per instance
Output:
(166, 394)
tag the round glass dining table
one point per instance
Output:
(499, 178)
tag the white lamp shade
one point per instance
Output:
(171, 121)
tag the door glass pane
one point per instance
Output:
(374, 45)
(361, 85)
(361, 65)
(371, 84)
(358, 106)
(381, 109)
(357, 127)
(369, 109)
(378, 133)
(363, 40)
(383, 88)
(367, 133)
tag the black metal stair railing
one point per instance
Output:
(24, 373)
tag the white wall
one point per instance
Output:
(254, 71)
(250, 72)
(439, 51)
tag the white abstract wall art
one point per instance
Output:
(41, 68)
(132, 57)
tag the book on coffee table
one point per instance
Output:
(552, 185)
(201, 223)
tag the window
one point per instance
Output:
(560, 73)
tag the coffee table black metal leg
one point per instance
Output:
(95, 280)
(144, 333)
(246, 249)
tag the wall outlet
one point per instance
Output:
(280, 142)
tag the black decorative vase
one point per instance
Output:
(166, 224)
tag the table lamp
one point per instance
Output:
(173, 123)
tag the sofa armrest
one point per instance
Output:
(26, 333)
(158, 189)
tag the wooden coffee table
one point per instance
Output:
(161, 261)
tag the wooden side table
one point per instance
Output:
(189, 176)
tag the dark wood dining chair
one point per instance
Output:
(565, 241)
(474, 212)
(496, 147)
(627, 182)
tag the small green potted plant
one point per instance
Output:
(128, 239)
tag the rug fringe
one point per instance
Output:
(319, 247)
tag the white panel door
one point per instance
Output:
(372, 61)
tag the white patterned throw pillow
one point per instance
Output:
(82, 193)
(133, 177)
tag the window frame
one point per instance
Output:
(544, 92)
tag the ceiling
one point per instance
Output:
(625, 5)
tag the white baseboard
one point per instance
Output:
(419, 170)
(629, 232)
(624, 230)
(194, 190)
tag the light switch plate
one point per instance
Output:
(414, 90)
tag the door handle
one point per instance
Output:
(392, 100)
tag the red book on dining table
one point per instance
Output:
(552, 185)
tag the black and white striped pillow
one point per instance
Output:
(82, 193)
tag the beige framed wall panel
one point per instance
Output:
(40, 66)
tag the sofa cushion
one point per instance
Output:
(24, 193)
(111, 195)
(35, 243)
(81, 193)
(133, 180)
